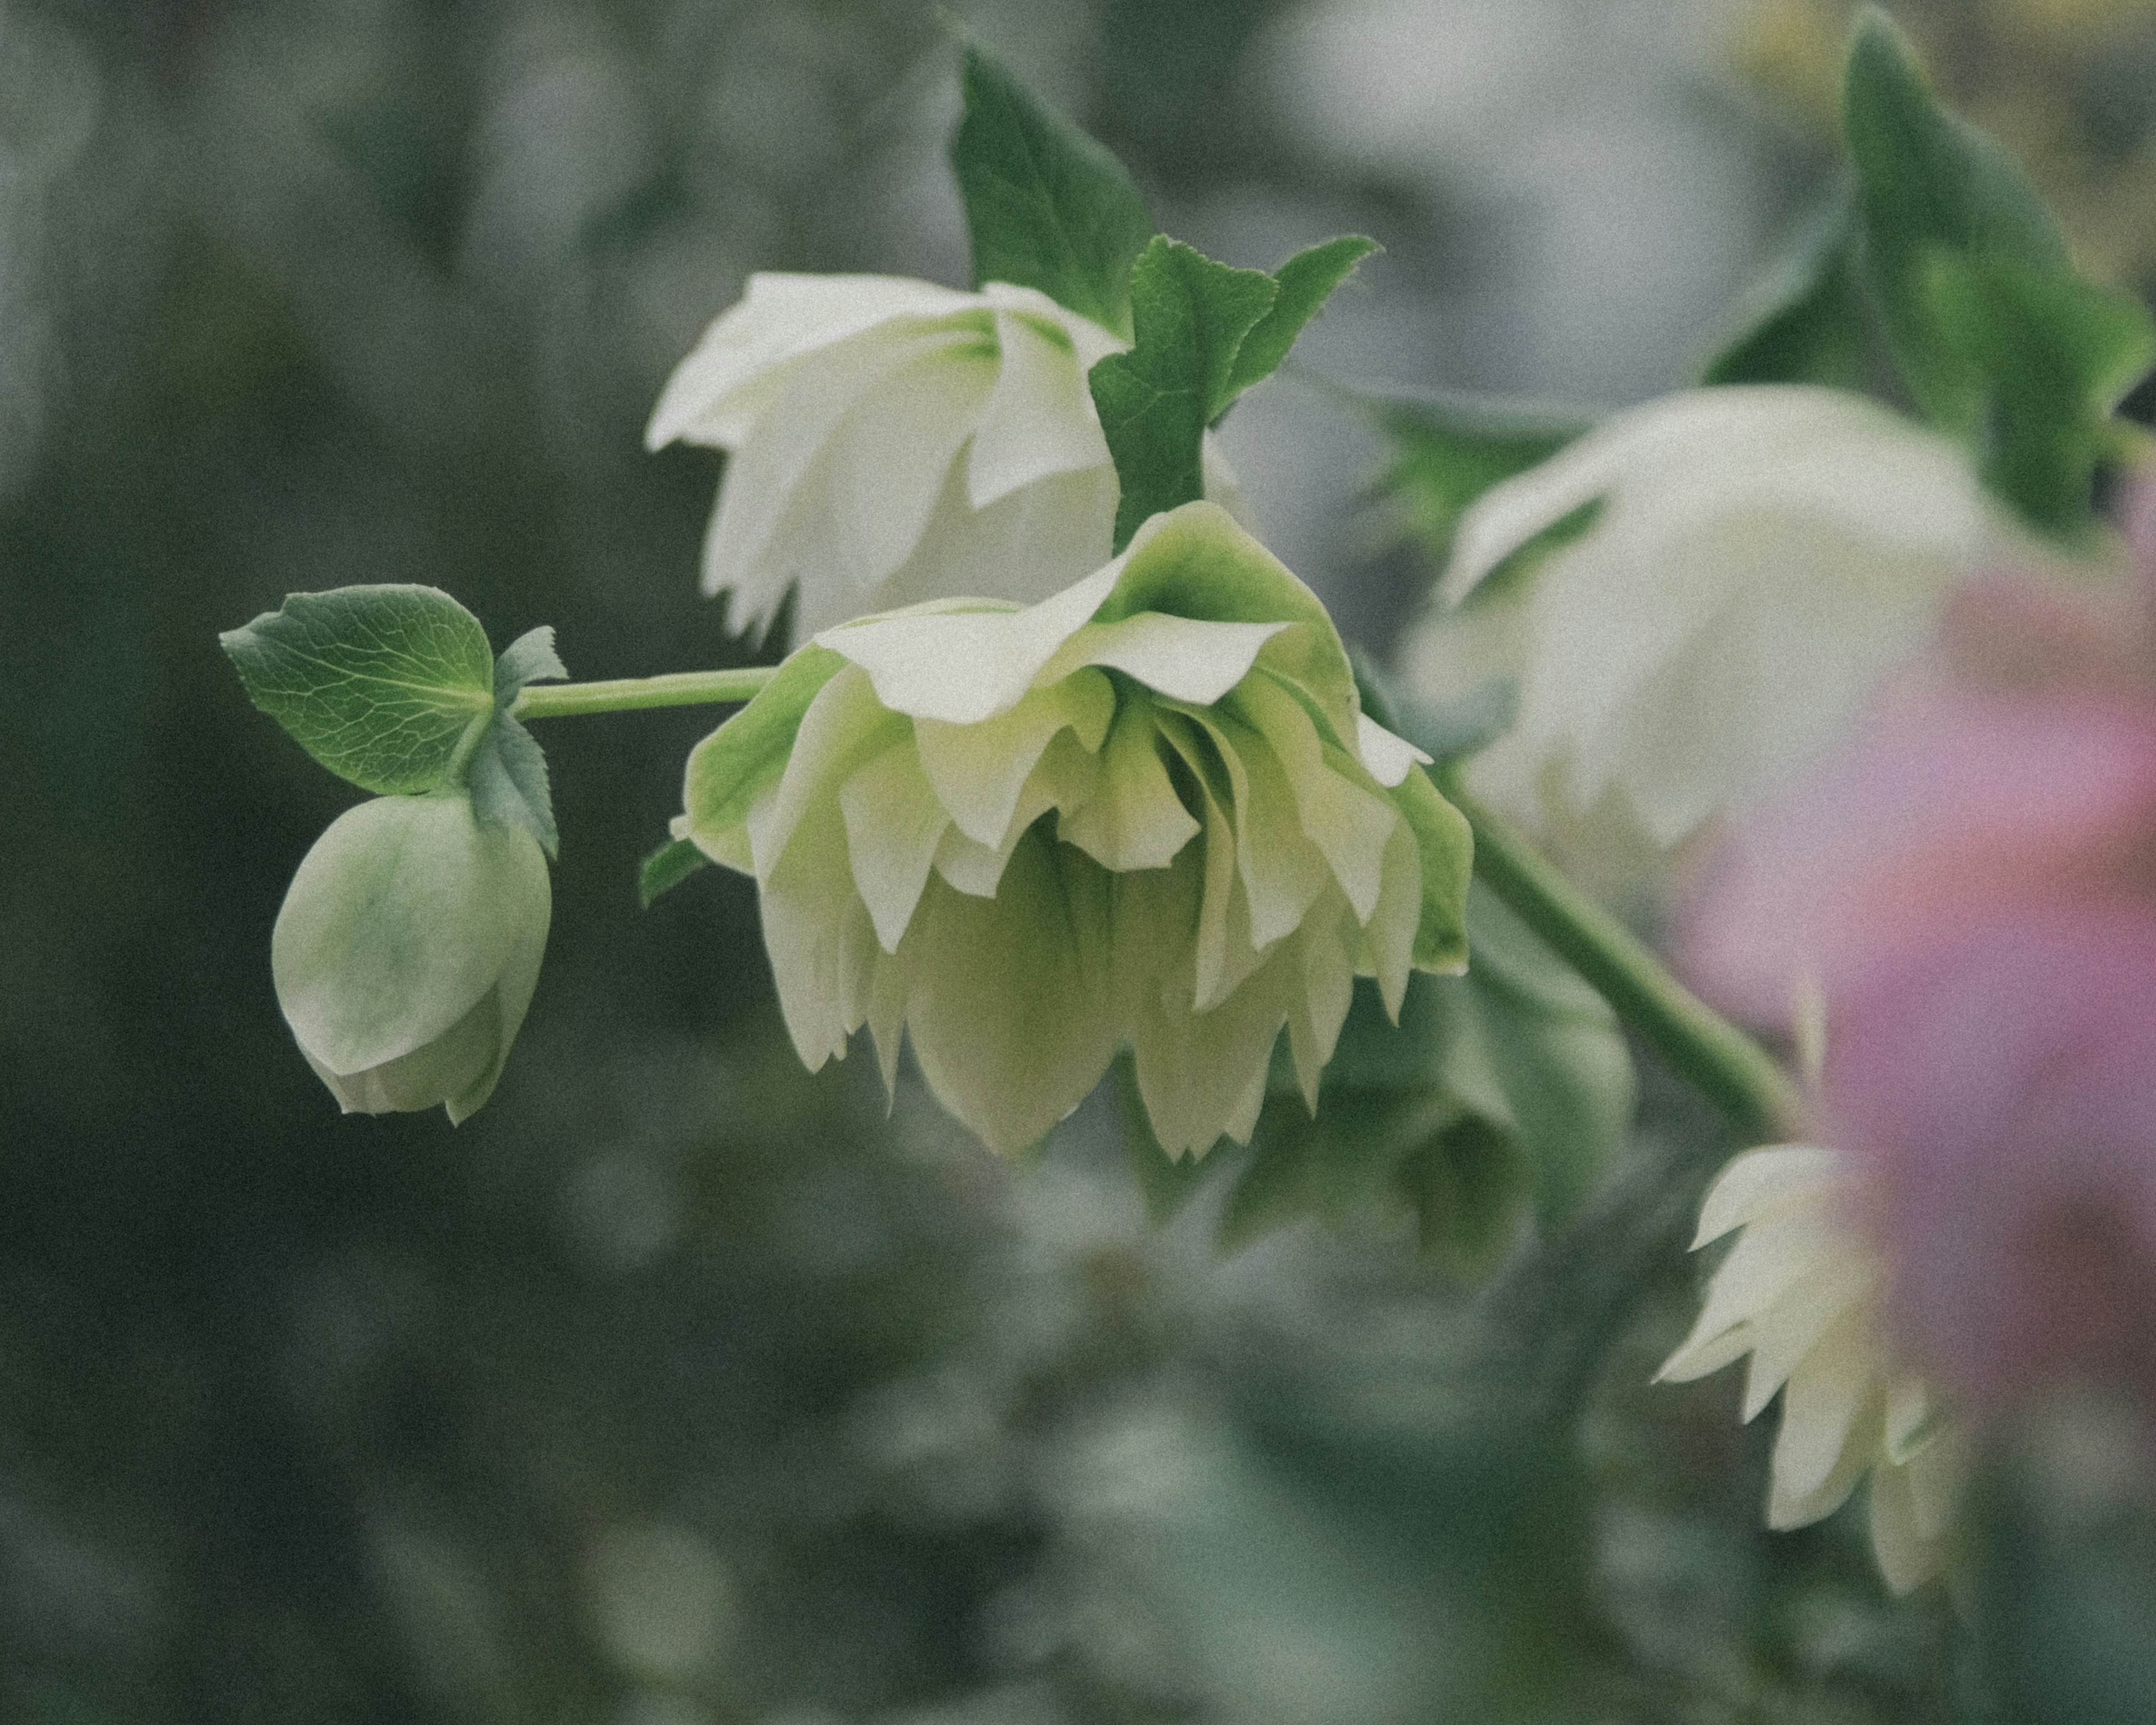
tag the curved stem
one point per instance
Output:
(1733, 1071)
(561, 701)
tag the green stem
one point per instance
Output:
(562, 700)
(1732, 1071)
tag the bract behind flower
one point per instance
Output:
(1147, 811)
(893, 442)
(1760, 559)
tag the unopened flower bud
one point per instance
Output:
(407, 951)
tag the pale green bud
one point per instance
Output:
(407, 951)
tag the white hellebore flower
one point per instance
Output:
(407, 951)
(1801, 1292)
(892, 441)
(1147, 812)
(1760, 559)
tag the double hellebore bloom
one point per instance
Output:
(891, 441)
(408, 949)
(1749, 564)
(1147, 812)
(1801, 1292)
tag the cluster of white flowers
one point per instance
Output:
(1801, 1292)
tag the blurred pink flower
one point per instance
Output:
(1969, 885)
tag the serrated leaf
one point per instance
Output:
(1998, 339)
(1048, 207)
(1807, 323)
(378, 684)
(1451, 449)
(1306, 282)
(666, 868)
(1191, 315)
(508, 772)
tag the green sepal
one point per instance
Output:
(1446, 845)
(1048, 207)
(666, 868)
(737, 763)
(1999, 341)
(1808, 321)
(380, 685)
(1449, 449)
(508, 769)
(1305, 283)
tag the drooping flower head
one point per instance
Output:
(1756, 561)
(1801, 1291)
(892, 441)
(1147, 812)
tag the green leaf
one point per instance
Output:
(1048, 207)
(1306, 282)
(1501, 1097)
(2059, 355)
(2000, 341)
(1191, 316)
(666, 868)
(1451, 449)
(1807, 323)
(378, 684)
(508, 770)
(1929, 182)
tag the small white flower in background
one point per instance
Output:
(407, 951)
(1762, 559)
(1148, 812)
(1801, 1292)
(892, 441)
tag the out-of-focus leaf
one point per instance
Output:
(1998, 339)
(2060, 355)
(1192, 315)
(1048, 207)
(1808, 322)
(378, 684)
(1451, 449)
(666, 868)
(1498, 1099)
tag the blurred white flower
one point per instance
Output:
(891, 441)
(1761, 560)
(1801, 1292)
(891, 791)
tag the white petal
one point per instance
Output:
(763, 514)
(1784, 1333)
(777, 319)
(1181, 657)
(1906, 1557)
(978, 770)
(962, 667)
(1282, 872)
(1827, 1398)
(1133, 820)
(1351, 825)
(1023, 548)
(1761, 1182)
(1388, 940)
(844, 724)
(821, 944)
(893, 825)
(1388, 757)
(1011, 1001)
(1040, 419)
